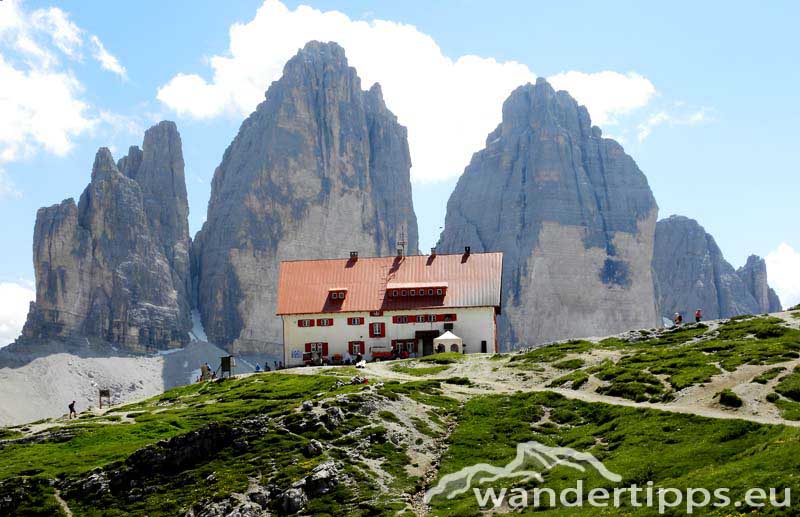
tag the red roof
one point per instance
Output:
(472, 281)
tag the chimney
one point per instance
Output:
(466, 250)
(433, 252)
(354, 255)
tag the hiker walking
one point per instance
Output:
(677, 319)
(72, 410)
(698, 315)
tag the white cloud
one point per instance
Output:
(606, 94)
(39, 108)
(449, 106)
(7, 188)
(663, 117)
(783, 272)
(106, 59)
(65, 34)
(41, 104)
(14, 301)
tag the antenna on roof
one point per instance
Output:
(401, 242)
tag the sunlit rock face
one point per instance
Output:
(320, 168)
(572, 213)
(116, 265)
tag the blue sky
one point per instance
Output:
(702, 95)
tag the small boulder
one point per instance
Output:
(312, 449)
(334, 417)
(323, 479)
(292, 500)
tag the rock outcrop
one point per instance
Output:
(320, 168)
(691, 272)
(572, 213)
(754, 276)
(116, 265)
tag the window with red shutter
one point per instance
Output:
(420, 318)
(377, 330)
(431, 317)
(355, 321)
(305, 323)
(356, 347)
(325, 322)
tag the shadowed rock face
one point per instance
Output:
(116, 266)
(573, 215)
(320, 168)
(692, 273)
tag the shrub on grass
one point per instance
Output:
(570, 364)
(773, 397)
(789, 386)
(388, 416)
(769, 375)
(729, 398)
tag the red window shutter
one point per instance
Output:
(453, 317)
(350, 348)
(324, 349)
(395, 319)
(299, 323)
(440, 317)
(415, 346)
(308, 347)
(377, 329)
(319, 322)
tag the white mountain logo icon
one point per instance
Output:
(527, 452)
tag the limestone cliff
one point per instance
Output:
(116, 265)
(319, 169)
(692, 273)
(754, 276)
(573, 215)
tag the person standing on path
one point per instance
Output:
(72, 410)
(698, 315)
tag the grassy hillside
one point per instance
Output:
(325, 443)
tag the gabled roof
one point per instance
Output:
(472, 280)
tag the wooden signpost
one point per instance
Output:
(228, 363)
(107, 394)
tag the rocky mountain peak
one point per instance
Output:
(103, 164)
(572, 213)
(691, 273)
(116, 266)
(320, 168)
(754, 276)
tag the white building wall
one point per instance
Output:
(472, 325)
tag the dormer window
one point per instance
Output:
(430, 292)
(403, 293)
(395, 292)
(412, 292)
(438, 292)
(337, 294)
